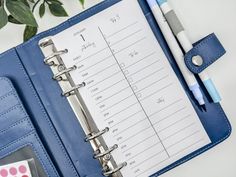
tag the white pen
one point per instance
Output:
(176, 51)
(182, 37)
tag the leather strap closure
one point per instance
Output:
(204, 53)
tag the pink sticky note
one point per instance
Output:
(18, 169)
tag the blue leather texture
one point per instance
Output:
(49, 110)
(12, 68)
(209, 48)
(16, 128)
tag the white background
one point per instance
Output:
(200, 18)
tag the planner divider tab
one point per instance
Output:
(71, 91)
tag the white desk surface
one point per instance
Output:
(200, 17)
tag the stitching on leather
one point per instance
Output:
(31, 127)
(17, 140)
(46, 155)
(46, 116)
(37, 37)
(26, 119)
(6, 95)
(10, 109)
(207, 146)
(16, 96)
(194, 50)
(18, 100)
(66, 22)
(209, 37)
(30, 124)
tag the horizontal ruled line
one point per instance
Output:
(140, 60)
(104, 59)
(129, 75)
(183, 139)
(152, 146)
(117, 102)
(121, 110)
(104, 69)
(136, 123)
(187, 147)
(136, 134)
(140, 142)
(130, 45)
(121, 30)
(130, 35)
(153, 83)
(170, 115)
(91, 55)
(185, 117)
(175, 102)
(148, 75)
(108, 87)
(112, 95)
(153, 166)
(157, 91)
(179, 131)
(127, 118)
(105, 79)
(147, 159)
(168, 158)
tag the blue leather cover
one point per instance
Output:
(12, 68)
(49, 110)
(16, 129)
(209, 48)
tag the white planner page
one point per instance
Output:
(132, 89)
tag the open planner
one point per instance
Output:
(120, 86)
(130, 88)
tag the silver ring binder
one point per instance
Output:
(108, 151)
(102, 153)
(58, 53)
(72, 90)
(58, 76)
(95, 135)
(108, 173)
(46, 43)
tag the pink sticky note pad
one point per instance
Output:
(18, 169)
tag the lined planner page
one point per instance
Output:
(132, 89)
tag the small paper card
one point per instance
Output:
(18, 169)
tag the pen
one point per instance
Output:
(182, 37)
(176, 51)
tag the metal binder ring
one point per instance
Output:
(58, 53)
(108, 151)
(46, 43)
(71, 91)
(58, 76)
(108, 173)
(95, 135)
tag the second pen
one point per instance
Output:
(176, 51)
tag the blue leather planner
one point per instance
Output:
(17, 130)
(101, 95)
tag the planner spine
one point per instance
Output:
(101, 151)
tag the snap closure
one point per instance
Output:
(197, 60)
(204, 53)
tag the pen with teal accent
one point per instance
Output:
(183, 39)
(176, 51)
